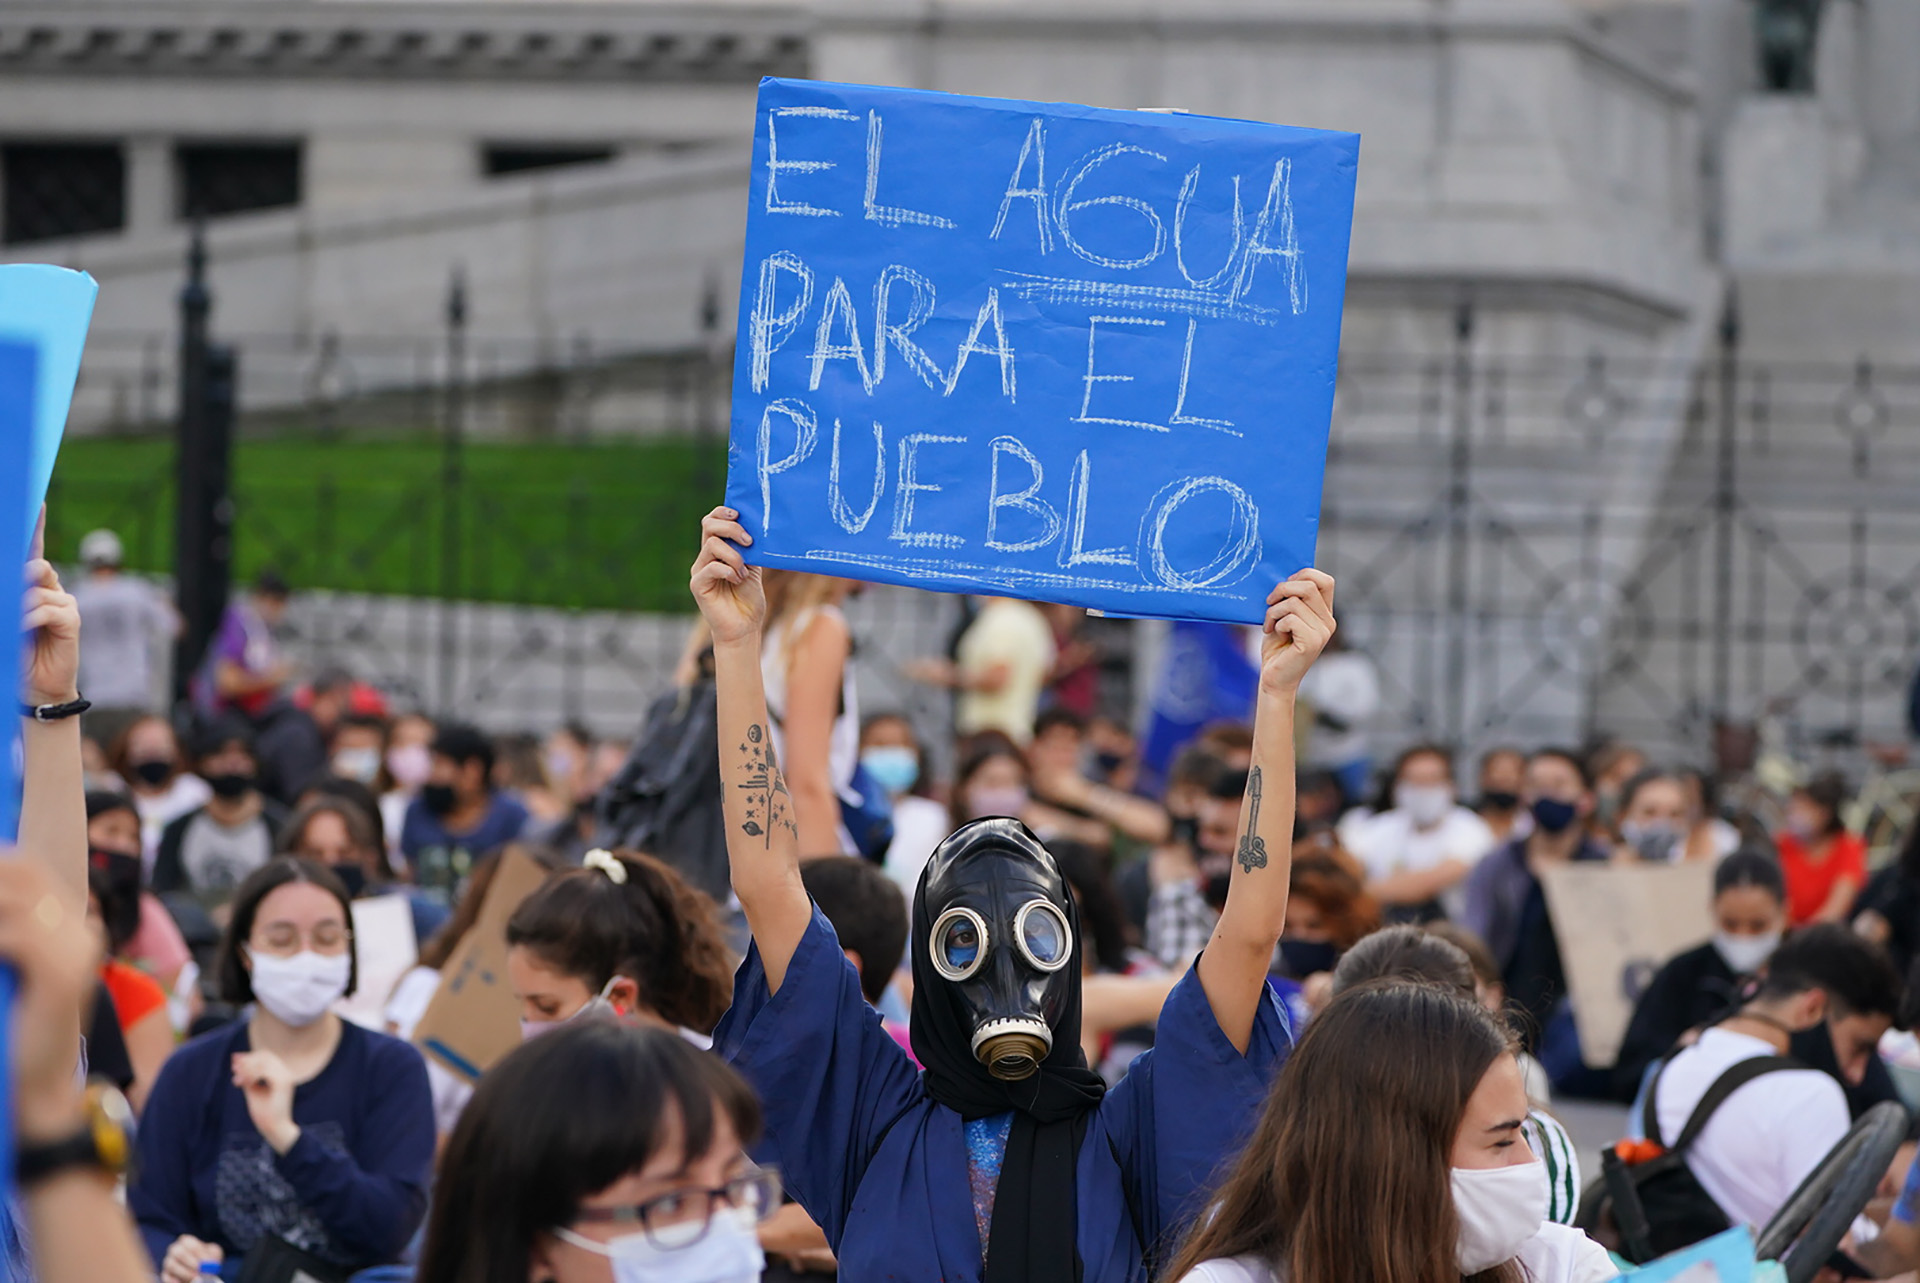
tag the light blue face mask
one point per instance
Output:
(897, 769)
(729, 1252)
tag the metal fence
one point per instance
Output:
(1532, 549)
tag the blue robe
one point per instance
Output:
(882, 1167)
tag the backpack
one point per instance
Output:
(666, 798)
(1647, 1201)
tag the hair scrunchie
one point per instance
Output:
(608, 863)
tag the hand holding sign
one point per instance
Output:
(49, 614)
(726, 587)
(1037, 349)
(1298, 626)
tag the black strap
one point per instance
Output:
(1732, 1080)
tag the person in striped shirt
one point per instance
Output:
(1413, 953)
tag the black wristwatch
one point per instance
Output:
(104, 1141)
(55, 712)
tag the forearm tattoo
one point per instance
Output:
(1253, 848)
(768, 802)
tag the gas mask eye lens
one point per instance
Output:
(1042, 932)
(959, 943)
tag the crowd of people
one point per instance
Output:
(791, 1002)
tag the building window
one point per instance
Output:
(232, 178)
(61, 189)
(517, 158)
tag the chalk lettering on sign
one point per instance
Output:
(1036, 147)
(776, 166)
(842, 513)
(1276, 236)
(889, 215)
(767, 329)
(1068, 206)
(1041, 584)
(887, 332)
(1238, 553)
(806, 429)
(1187, 190)
(1073, 549)
(908, 485)
(989, 310)
(1205, 304)
(1086, 414)
(839, 305)
(1026, 500)
(1180, 416)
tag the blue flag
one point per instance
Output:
(1036, 349)
(1207, 676)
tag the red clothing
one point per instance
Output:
(1810, 881)
(136, 995)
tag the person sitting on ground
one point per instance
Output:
(1826, 866)
(138, 1001)
(1328, 913)
(1428, 957)
(294, 1124)
(637, 1170)
(891, 752)
(1888, 910)
(1502, 775)
(1413, 1165)
(869, 915)
(245, 669)
(1190, 881)
(1006, 1158)
(155, 944)
(1710, 836)
(206, 853)
(1418, 850)
(1506, 906)
(1492, 993)
(341, 836)
(1896, 1249)
(624, 934)
(1116, 818)
(1697, 987)
(1772, 1131)
(148, 756)
(1609, 766)
(459, 817)
(1656, 817)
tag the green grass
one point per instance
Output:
(593, 526)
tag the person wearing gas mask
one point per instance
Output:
(1384, 1166)
(1418, 850)
(291, 1124)
(1008, 1159)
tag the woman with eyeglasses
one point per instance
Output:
(602, 1153)
(291, 1123)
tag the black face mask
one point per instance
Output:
(1495, 800)
(978, 1035)
(440, 799)
(152, 774)
(353, 877)
(120, 903)
(229, 785)
(1308, 957)
(1185, 831)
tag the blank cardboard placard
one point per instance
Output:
(384, 950)
(1037, 349)
(49, 309)
(473, 1019)
(1618, 924)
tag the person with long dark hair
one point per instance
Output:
(1008, 1159)
(600, 1152)
(1409, 1167)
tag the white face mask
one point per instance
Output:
(298, 990)
(1745, 954)
(1425, 804)
(599, 1007)
(361, 764)
(729, 1252)
(1499, 1209)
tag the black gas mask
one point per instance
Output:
(995, 921)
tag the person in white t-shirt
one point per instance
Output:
(1418, 852)
(999, 668)
(1772, 1131)
(1375, 1166)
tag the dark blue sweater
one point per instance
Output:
(351, 1190)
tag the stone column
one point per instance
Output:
(150, 180)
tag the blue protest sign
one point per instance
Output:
(1725, 1258)
(1043, 350)
(19, 366)
(47, 308)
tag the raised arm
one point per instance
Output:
(1233, 970)
(53, 805)
(763, 842)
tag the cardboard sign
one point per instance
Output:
(1036, 349)
(473, 1019)
(1617, 925)
(48, 308)
(384, 951)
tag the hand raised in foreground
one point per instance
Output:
(1298, 626)
(724, 586)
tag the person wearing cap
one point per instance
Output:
(125, 618)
